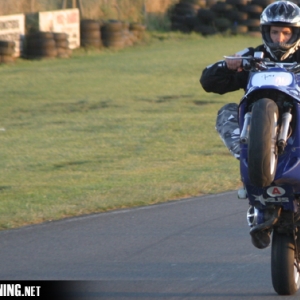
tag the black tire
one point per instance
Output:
(254, 29)
(285, 277)
(113, 35)
(47, 52)
(33, 42)
(43, 35)
(185, 11)
(46, 43)
(251, 23)
(237, 16)
(239, 29)
(222, 24)
(206, 30)
(94, 34)
(61, 50)
(62, 44)
(252, 8)
(175, 27)
(185, 6)
(31, 45)
(113, 40)
(262, 151)
(94, 43)
(194, 2)
(206, 15)
(222, 7)
(114, 44)
(210, 3)
(191, 21)
(113, 25)
(7, 44)
(60, 36)
(174, 19)
(6, 51)
(254, 16)
(237, 2)
(263, 3)
(88, 24)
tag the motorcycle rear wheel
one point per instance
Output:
(262, 151)
(285, 274)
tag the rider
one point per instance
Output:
(280, 28)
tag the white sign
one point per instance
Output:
(272, 78)
(12, 28)
(67, 21)
(275, 191)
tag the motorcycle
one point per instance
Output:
(269, 121)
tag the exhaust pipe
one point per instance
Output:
(260, 233)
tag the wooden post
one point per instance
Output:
(145, 12)
(80, 7)
(118, 11)
(75, 3)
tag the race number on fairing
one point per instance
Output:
(272, 78)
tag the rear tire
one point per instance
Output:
(285, 276)
(262, 149)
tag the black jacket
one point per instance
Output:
(217, 78)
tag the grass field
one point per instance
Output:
(106, 130)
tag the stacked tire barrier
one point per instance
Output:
(113, 34)
(183, 15)
(7, 50)
(211, 17)
(40, 44)
(137, 31)
(62, 45)
(43, 44)
(90, 34)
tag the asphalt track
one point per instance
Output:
(196, 248)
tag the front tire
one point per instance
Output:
(285, 274)
(262, 149)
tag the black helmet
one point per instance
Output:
(281, 13)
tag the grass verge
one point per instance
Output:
(106, 130)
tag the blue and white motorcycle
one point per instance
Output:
(269, 120)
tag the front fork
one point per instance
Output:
(283, 131)
(257, 220)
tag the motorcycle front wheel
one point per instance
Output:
(262, 148)
(284, 264)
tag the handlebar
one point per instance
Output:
(250, 63)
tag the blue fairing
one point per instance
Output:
(288, 167)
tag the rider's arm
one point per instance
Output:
(220, 78)
(217, 78)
